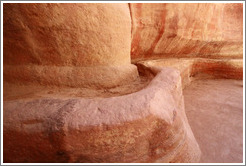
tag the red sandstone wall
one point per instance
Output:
(211, 30)
(66, 34)
(64, 44)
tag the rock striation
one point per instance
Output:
(103, 82)
(211, 30)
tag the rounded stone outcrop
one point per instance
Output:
(146, 126)
(72, 95)
(68, 44)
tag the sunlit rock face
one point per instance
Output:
(67, 34)
(213, 30)
(63, 44)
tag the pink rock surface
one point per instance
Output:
(186, 30)
(200, 68)
(215, 115)
(146, 126)
(84, 51)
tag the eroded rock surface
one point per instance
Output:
(146, 126)
(211, 30)
(71, 93)
(75, 45)
(200, 68)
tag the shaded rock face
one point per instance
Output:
(62, 44)
(210, 30)
(200, 68)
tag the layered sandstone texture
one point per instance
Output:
(200, 68)
(72, 95)
(146, 126)
(67, 44)
(200, 40)
(211, 30)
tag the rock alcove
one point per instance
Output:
(104, 82)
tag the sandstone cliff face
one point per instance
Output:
(67, 44)
(67, 34)
(65, 64)
(212, 30)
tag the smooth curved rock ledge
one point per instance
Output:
(147, 126)
(67, 76)
(199, 68)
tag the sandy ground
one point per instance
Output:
(215, 112)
